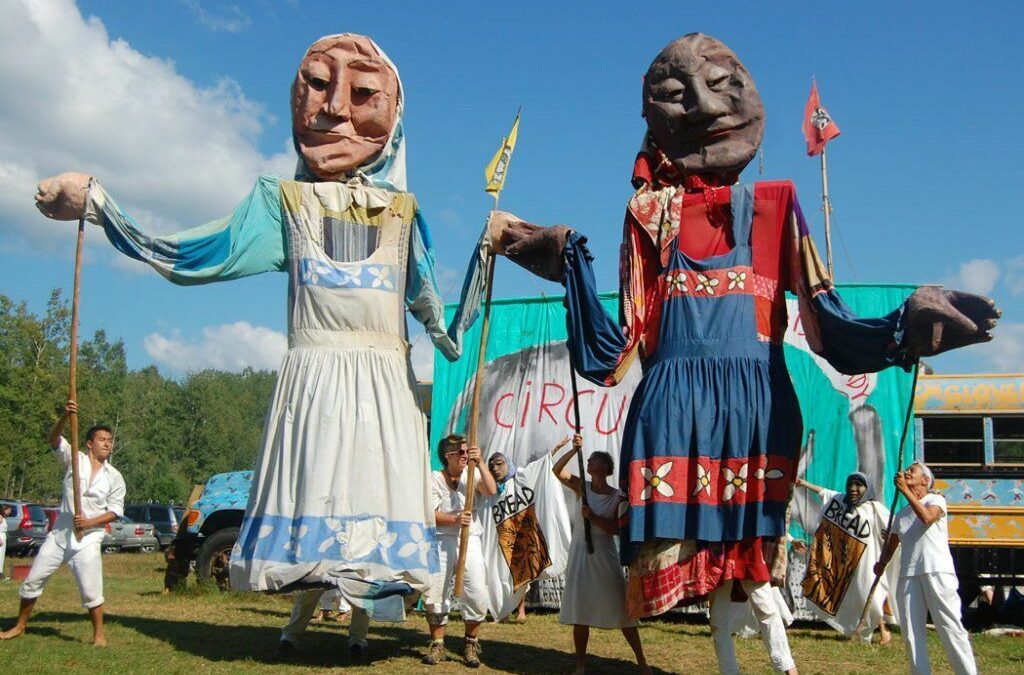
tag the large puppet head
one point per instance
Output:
(702, 108)
(346, 112)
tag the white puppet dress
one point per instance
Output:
(340, 488)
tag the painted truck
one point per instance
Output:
(970, 431)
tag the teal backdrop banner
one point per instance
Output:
(850, 422)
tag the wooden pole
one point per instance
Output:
(579, 459)
(826, 204)
(73, 375)
(474, 421)
(896, 496)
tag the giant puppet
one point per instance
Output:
(711, 441)
(339, 492)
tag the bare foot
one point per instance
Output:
(886, 637)
(12, 633)
(99, 641)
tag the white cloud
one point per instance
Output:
(227, 17)
(73, 99)
(975, 276)
(1014, 275)
(231, 346)
(1005, 353)
(422, 356)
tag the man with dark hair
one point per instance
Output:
(102, 491)
(448, 496)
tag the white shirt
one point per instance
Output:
(446, 500)
(925, 548)
(103, 493)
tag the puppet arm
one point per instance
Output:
(602, 347)
(931, 320)
(249, 241)
(423, 298)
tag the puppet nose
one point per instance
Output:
(338, 104)
(705, 104)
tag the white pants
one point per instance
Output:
(769, 619)
(334, 600)
(306, 603)
(84, 558)
(934, 593)
(473, 603)
(3, 551)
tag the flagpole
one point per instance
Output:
(474, 409)
(826, 204)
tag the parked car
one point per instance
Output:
(51, 515)
(163, 517)
(211, 526)
(124, 534)
(26, 527)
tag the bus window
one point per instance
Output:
(1008, 439)
(954, 440)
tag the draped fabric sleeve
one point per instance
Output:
(249, 241)
(602, 349)
(423, 298)
(851, 344)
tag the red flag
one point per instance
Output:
(819, 127)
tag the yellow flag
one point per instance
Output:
(497, 169)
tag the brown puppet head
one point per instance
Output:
(346, 99)
(702, 108)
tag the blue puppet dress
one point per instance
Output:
(710, 444)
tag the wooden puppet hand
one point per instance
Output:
(533, 247)
(939, 320)
(62, 197)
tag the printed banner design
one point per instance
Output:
(526, 535)
(840, 570)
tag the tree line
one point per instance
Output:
(169, 434)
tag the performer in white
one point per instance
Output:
(927, 582)
(102, 490)
(526, 530)
(840, 569)
(448, 495)
(305, 604)
(595, 587)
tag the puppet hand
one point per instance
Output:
(939, 320)
(538, 249)
(62, 197)
(799, 546)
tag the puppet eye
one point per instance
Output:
(365, 91)
(717, 81)
(318, 83)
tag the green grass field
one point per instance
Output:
(210, 632)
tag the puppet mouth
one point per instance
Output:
(719, 131)
(314, 138)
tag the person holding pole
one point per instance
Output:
(927, 582)
(448, 494)
(102, 491)
(595, 588)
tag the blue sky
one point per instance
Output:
(177, 105)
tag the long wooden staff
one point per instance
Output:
(892, 507)
(579, 458)
(460, 568)
(73, 375)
